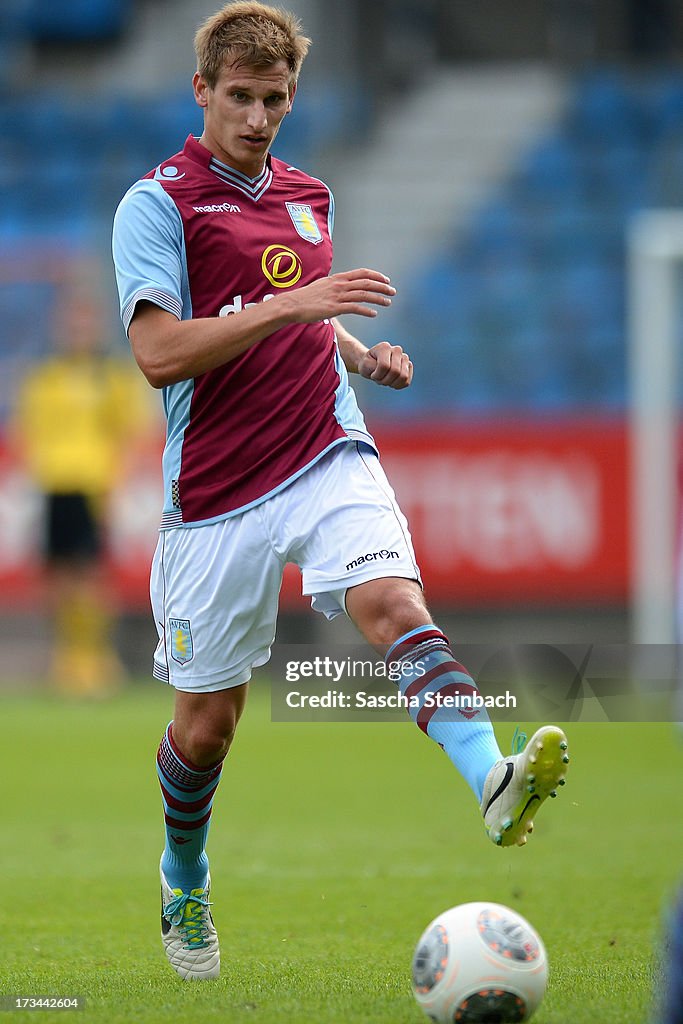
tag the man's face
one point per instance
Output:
(243, 113)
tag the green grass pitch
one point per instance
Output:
(332, 846)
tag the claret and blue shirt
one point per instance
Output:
(200, 239)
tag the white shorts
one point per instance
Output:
(215, 588)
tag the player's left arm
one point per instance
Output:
(384, 364)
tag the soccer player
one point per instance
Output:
(223, 256)
(77, 415)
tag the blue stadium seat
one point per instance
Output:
(59, 198)
(667, 172)
(500, 227)
(666, 104)
(13, 14)
(76, 20)
(607, 107)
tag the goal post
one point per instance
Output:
(655, 253)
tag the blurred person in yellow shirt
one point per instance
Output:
(78, 415)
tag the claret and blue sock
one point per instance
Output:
(427, 667)
(187, 793)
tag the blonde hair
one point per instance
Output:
(249, 34)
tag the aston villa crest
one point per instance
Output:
(182, 647)
(304, 222)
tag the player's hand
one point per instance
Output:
(388, 365)
(353, 291)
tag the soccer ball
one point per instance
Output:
(479, 963)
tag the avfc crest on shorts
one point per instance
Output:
(182, 648)
(304, 222)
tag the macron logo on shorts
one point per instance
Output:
(371, 556)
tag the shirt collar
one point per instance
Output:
(253, 188)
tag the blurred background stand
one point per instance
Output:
(492, 159)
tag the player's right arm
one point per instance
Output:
(168, 345)
(169, 350)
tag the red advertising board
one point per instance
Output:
(514, 511)
(500, 513)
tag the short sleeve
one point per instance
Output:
(330, 215)
(148, 250)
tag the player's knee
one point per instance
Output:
(204, 724)
(401, 619)
(209, 741)
(395, 610)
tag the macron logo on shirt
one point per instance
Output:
(218, 208)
